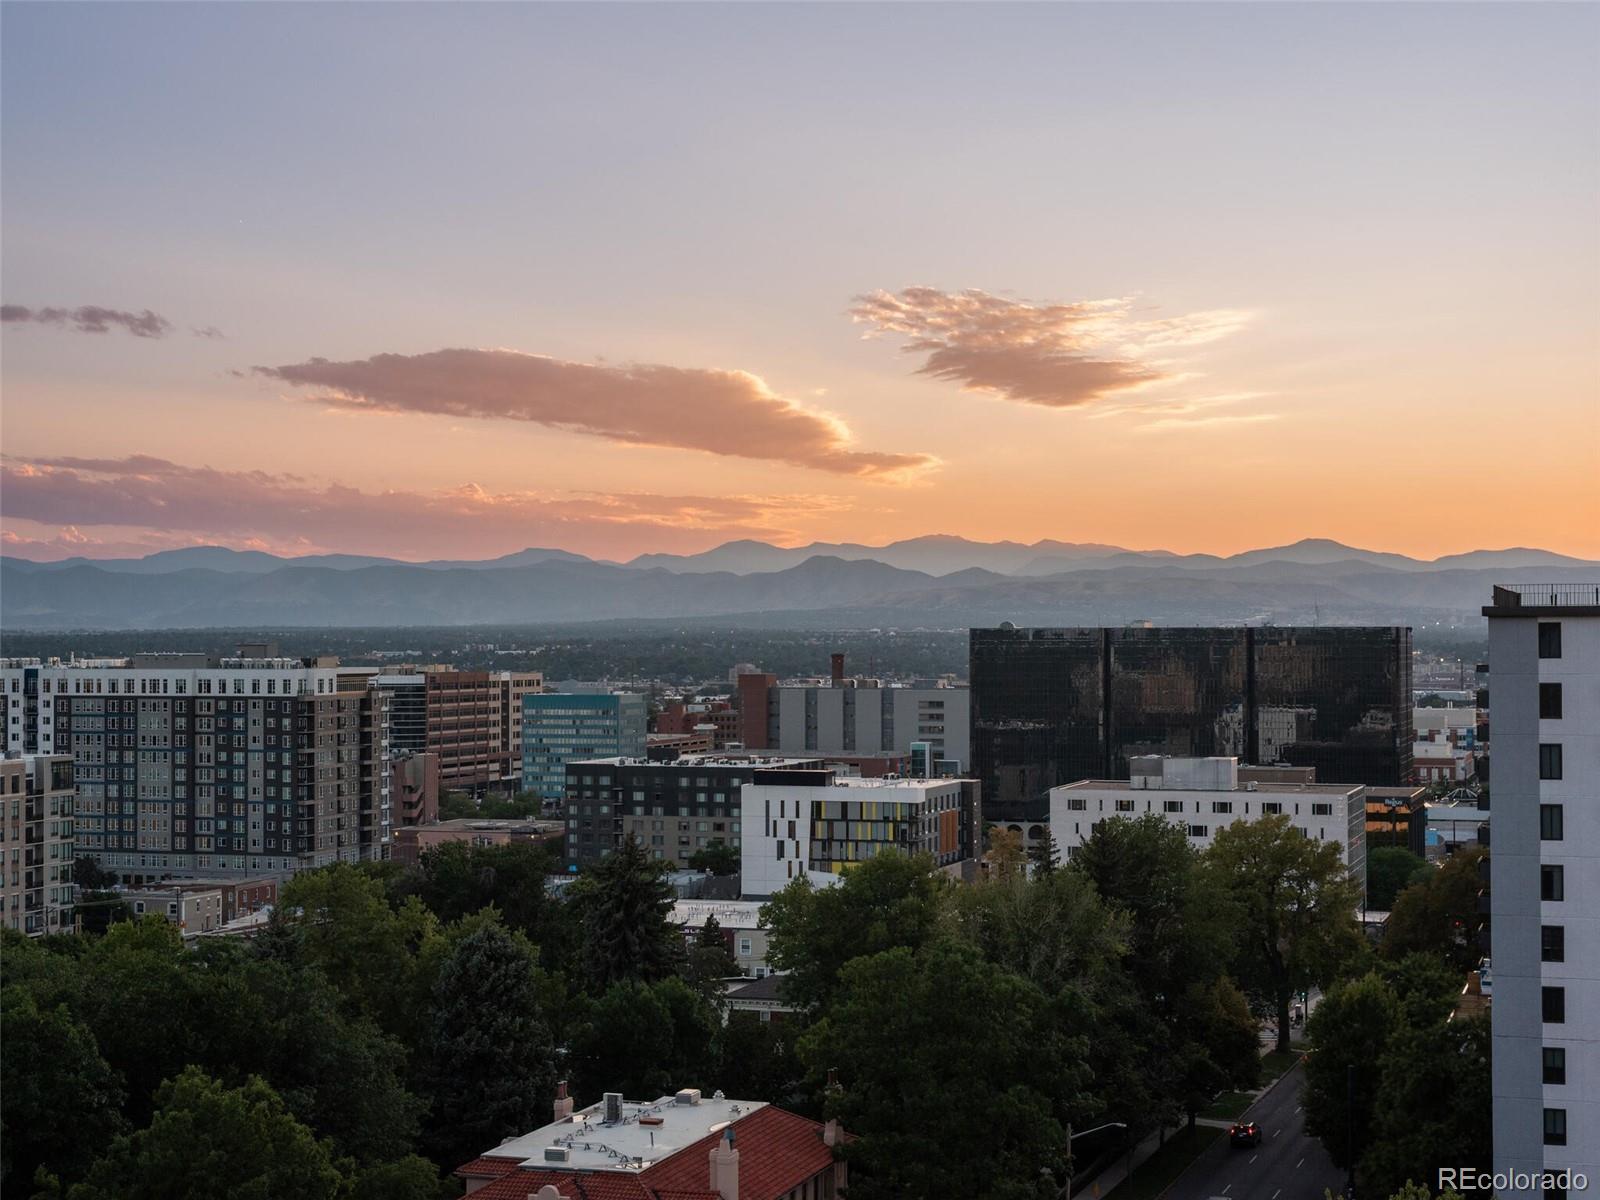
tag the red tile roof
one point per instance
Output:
(778, 1151)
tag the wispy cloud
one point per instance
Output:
(178, 504)
(1055, 355)
(641, 404)
(1202, 422)
(89, 318)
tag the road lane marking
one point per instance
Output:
(1253, 1157)
(1300, 1164)
(1226, 1189)
(1275, 1194)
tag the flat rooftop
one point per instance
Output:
(730, 914)
(648, 1132)
(1259, 789)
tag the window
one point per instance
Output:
(1271, 807)
(744, 946)
(1076, 803)
(1555, 1064)
(1550, 760)
(1550, 639)
(1555, 1127)
(1222, 806)
(1552, 883)
(1550, 823)
(1322, 810)
(1197, 831)
(1552, 943)
(1172, 806)
(1549, 701)
(1553, 1002)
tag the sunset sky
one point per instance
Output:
(449, 281)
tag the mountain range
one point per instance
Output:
(928, 582)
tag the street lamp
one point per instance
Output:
(1066, 1192)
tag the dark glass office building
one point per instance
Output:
(1052, 706)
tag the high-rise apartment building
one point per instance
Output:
(1053, 706)
(37, 795)
(187, 764)
(816, 824)
(1544, 667)
(563, 727)
(854, 715)
(472, 720)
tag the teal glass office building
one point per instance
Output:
(560, 728)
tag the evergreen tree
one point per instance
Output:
(624, 904)
(490, 1072)
(1043, 855)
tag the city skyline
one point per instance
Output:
(454, 283)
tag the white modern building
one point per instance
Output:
(1544, 685)
(820, 827)
(1204, 795)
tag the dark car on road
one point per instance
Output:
(1244, 1133)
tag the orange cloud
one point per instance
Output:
(643, 404)
(178, 504)
(1056, 355)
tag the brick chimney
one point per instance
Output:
(563, 1106)
(725, 1167)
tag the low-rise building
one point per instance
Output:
(686, 1146)
(194, 910)
(1204, 795)
(673, 809)
(818, 823)
(413, 841)
(740, 923)
(37, 798)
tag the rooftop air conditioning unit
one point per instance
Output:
(688, 1096)
(613, 1109)
(557, 1154)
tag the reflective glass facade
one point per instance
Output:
(1053, 706)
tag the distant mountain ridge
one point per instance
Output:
(933, 554)
(1313, 581)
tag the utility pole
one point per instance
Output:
(1350, 1130)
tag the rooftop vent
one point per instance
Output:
(688, 1096)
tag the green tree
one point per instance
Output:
(1439, 915)
(644, 1040)
(944, 1099)
(489, 1061)
(889, 900)
(1043, 855)
(1349, 1032)
(1005, 855)
(710, 961)
(1179, 931)
(457, 879)
(409, 1178)
(59, 1100)
(207, 1140)
(757, 1058)
(717, 857)
(1389, 869)
(624, 906)
(339, 921)
(1433, 1109)
(1295, 906)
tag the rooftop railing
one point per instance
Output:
(1546, 595)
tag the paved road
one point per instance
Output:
(1288, 1165)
